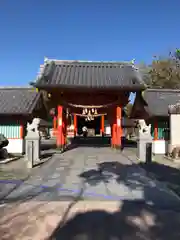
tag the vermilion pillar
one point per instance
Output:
(155, 129)
(119, 127)
(112, 119)
(22, 136)
(75, 125)
(114, 136)
(60, 139)
(102, 125)
(21, 131)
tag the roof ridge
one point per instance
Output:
(16, 88)
(162, 90)
(46, 60)
(36, 99)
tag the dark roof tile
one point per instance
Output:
(90, 74)
(158, 100)
(18, 100)
(127, 122)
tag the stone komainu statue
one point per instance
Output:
(33, 127)
(143, 127)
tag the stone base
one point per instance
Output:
(61, 148)
(175, 160)
(119, 147)
(30, 164)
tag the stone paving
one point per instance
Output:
(89, 173)
(90, 220)
(105, 188)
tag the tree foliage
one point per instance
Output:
(164, 72)
(128, 109)
(144, 70)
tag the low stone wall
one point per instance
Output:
(160, 146)
(15, 146)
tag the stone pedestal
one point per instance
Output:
(144, 147)
(32, 149)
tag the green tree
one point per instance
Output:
(164, 72)
(144, 70)
(128, 109)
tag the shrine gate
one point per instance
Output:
(89, 90)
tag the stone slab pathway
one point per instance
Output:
(107, 184)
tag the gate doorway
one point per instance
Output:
(94, 124)
(101, 86)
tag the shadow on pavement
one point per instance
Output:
(134, 180)
(23, 220)
(126, 175)
(46, 155)
(133, 221)
(169, 175)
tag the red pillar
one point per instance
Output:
(119, 127)
(114, 137)
(21, 131)
(60, 139)
(155, 129)
(75, 125)
(102, 125)
(113, 127)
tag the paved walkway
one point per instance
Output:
(57, 190)
(90, 173)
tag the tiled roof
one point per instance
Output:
(70, 74)
(158, 100)
(127, 122)
(19, 101)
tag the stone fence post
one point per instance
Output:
(144, 144)
(32, 144)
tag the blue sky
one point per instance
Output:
(84, 30)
